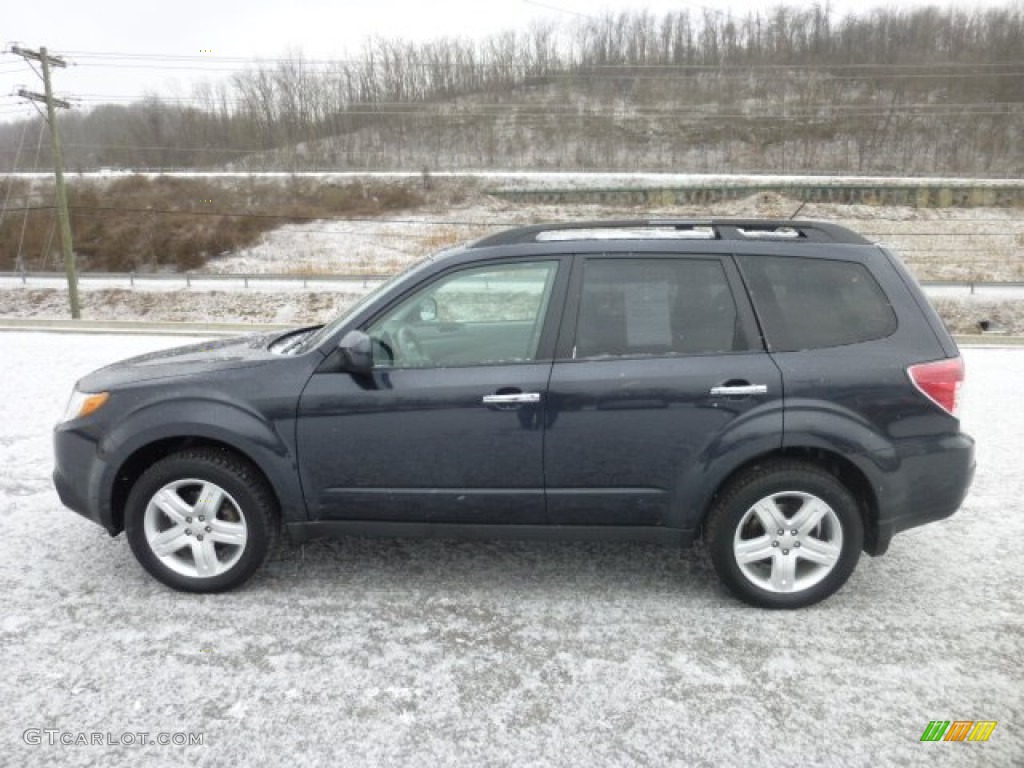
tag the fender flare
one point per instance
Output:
(812, 425)
(207, 417)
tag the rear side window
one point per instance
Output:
(813, 303)
(666, 306)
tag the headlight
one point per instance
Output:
(82, 404)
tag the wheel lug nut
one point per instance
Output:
(796, 544)
(775, 543)
(188, 519)
(208, 529)
(792, 533)
(780, 532)
(199, 537)
(188, 531)
(785, 551)
(201, 518)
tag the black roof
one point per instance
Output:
(717, 229)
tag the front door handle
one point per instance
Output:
(739, 390)
(516, 398)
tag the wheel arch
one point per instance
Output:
(846, 471)
(145, 456)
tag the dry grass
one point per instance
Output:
(138, 223)
(965, 316)
(446, 237)
(307, 270)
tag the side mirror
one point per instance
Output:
(356, 351)
(427, 310)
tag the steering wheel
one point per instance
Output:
(386, 344)
(410, 347)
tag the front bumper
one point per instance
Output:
(79, 477)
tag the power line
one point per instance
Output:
(952, 64)
(480, 223)
(276, 216)
(560, 10)
(371, 153)
(279, 216)
(499, 106)
(541, 113)
(10, 181)
(18, 263)
(585, 72)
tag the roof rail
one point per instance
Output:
(712, 229)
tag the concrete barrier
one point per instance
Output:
(919, 195)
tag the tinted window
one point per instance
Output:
(490, 314)
(811, 303)
(656, 307)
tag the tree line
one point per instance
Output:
(927, 90)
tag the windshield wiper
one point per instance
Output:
(295, 341)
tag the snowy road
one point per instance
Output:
(428, 653)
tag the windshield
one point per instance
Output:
(316, 338)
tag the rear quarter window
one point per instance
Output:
(813, 303)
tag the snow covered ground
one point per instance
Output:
(564, 179)
(371, 653)
(177, 282)
(962, 244)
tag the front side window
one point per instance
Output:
(664, 306)
(477, 316)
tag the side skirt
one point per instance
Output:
(300, 532)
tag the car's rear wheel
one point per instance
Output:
(785, 535)
(201, 520)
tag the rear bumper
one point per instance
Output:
(931, 486)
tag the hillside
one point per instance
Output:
(915, 92)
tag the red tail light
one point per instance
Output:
(940, 382)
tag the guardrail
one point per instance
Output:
(188, 277)
(937, 287)
(947, 287)
(138, 327)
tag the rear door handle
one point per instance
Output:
(517, 398)
(739, 390)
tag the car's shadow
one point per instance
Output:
(443, 564)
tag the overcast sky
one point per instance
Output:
(271, 28)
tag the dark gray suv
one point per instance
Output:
(781, 389)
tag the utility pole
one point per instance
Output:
(58, 163)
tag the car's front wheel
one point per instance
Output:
(201, 520)
(785, 535)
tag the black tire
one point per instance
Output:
(789, 485)
(247, 505)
